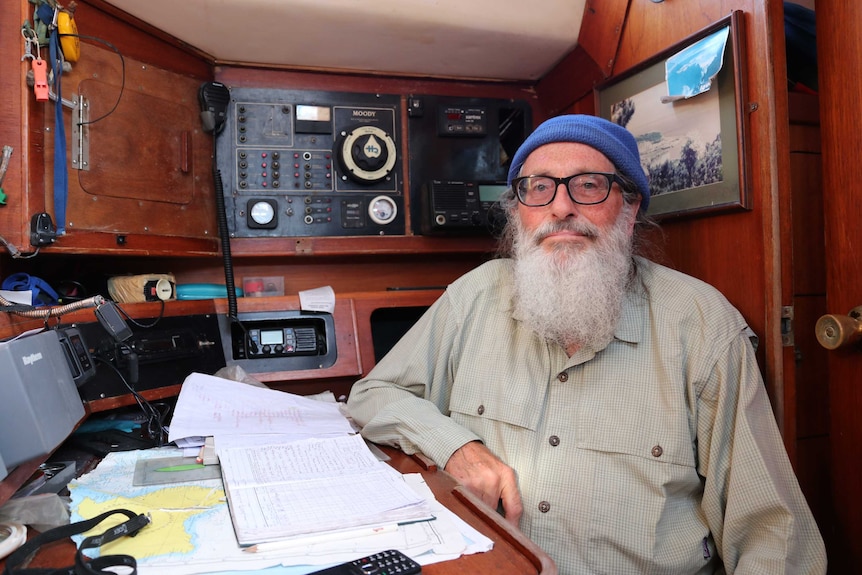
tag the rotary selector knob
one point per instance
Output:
(367, 154)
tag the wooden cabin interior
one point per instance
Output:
(148, 179)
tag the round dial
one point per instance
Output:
(262, 213)
(367, 154)
(382, 210)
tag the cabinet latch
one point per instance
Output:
(787, 339)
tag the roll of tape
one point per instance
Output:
(139, 288)
(12, 536)
(158, 289)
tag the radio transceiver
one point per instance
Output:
(462, 206)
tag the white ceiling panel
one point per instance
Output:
(495, 39)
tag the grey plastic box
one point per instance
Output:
(39, 402)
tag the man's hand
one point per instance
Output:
(484, 474)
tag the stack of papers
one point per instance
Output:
(213, 406)
(290, 464)
(311, 486)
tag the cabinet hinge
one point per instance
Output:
(81, 135)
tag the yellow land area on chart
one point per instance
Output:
(173, 510)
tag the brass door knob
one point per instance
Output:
(834, 331)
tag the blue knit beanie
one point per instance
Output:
(614, 141)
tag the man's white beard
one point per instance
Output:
(572, 293)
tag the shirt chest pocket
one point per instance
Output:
(494, 397)
(499, 384)
(654, 440)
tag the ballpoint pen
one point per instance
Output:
(321, 538)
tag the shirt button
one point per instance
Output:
(481, 410)
(563, 377)
(657, 451)
(544, 506)
(554, 440)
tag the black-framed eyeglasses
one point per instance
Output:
(585, 189)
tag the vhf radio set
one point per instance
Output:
(456, 206)
(309, 163)
(459, 159)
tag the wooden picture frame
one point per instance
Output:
(693, 148)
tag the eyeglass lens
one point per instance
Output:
(590, 188)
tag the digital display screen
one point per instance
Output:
(491, 192)
(313, 113)
(271, 337)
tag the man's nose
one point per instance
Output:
(563, 206)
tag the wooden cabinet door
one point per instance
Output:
(839, 48)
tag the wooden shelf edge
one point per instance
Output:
(360, 245)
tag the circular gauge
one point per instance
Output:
(382, 210)
(261, 213)
(367, 154)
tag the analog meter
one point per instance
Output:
(382, 210)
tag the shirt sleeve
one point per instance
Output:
(404, 400)
(752, 501)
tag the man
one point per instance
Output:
(613, 407)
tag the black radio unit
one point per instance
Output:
(460, 150)
(457, 206)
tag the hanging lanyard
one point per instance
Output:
(46, 14)
(83, 566)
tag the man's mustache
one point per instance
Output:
(579, 227)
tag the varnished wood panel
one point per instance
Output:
(149, 168)
(28, 125)
(569, 81)
(809, 265)
(812, 369)
(839, 55)
(601, 31)
(14, 127)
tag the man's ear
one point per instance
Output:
(633, 214)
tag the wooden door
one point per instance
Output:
(839, 47)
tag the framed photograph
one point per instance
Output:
(685, 107)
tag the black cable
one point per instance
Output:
(122, 75)
(143, 325)
(155, 419)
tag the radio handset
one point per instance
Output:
(214, 98)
